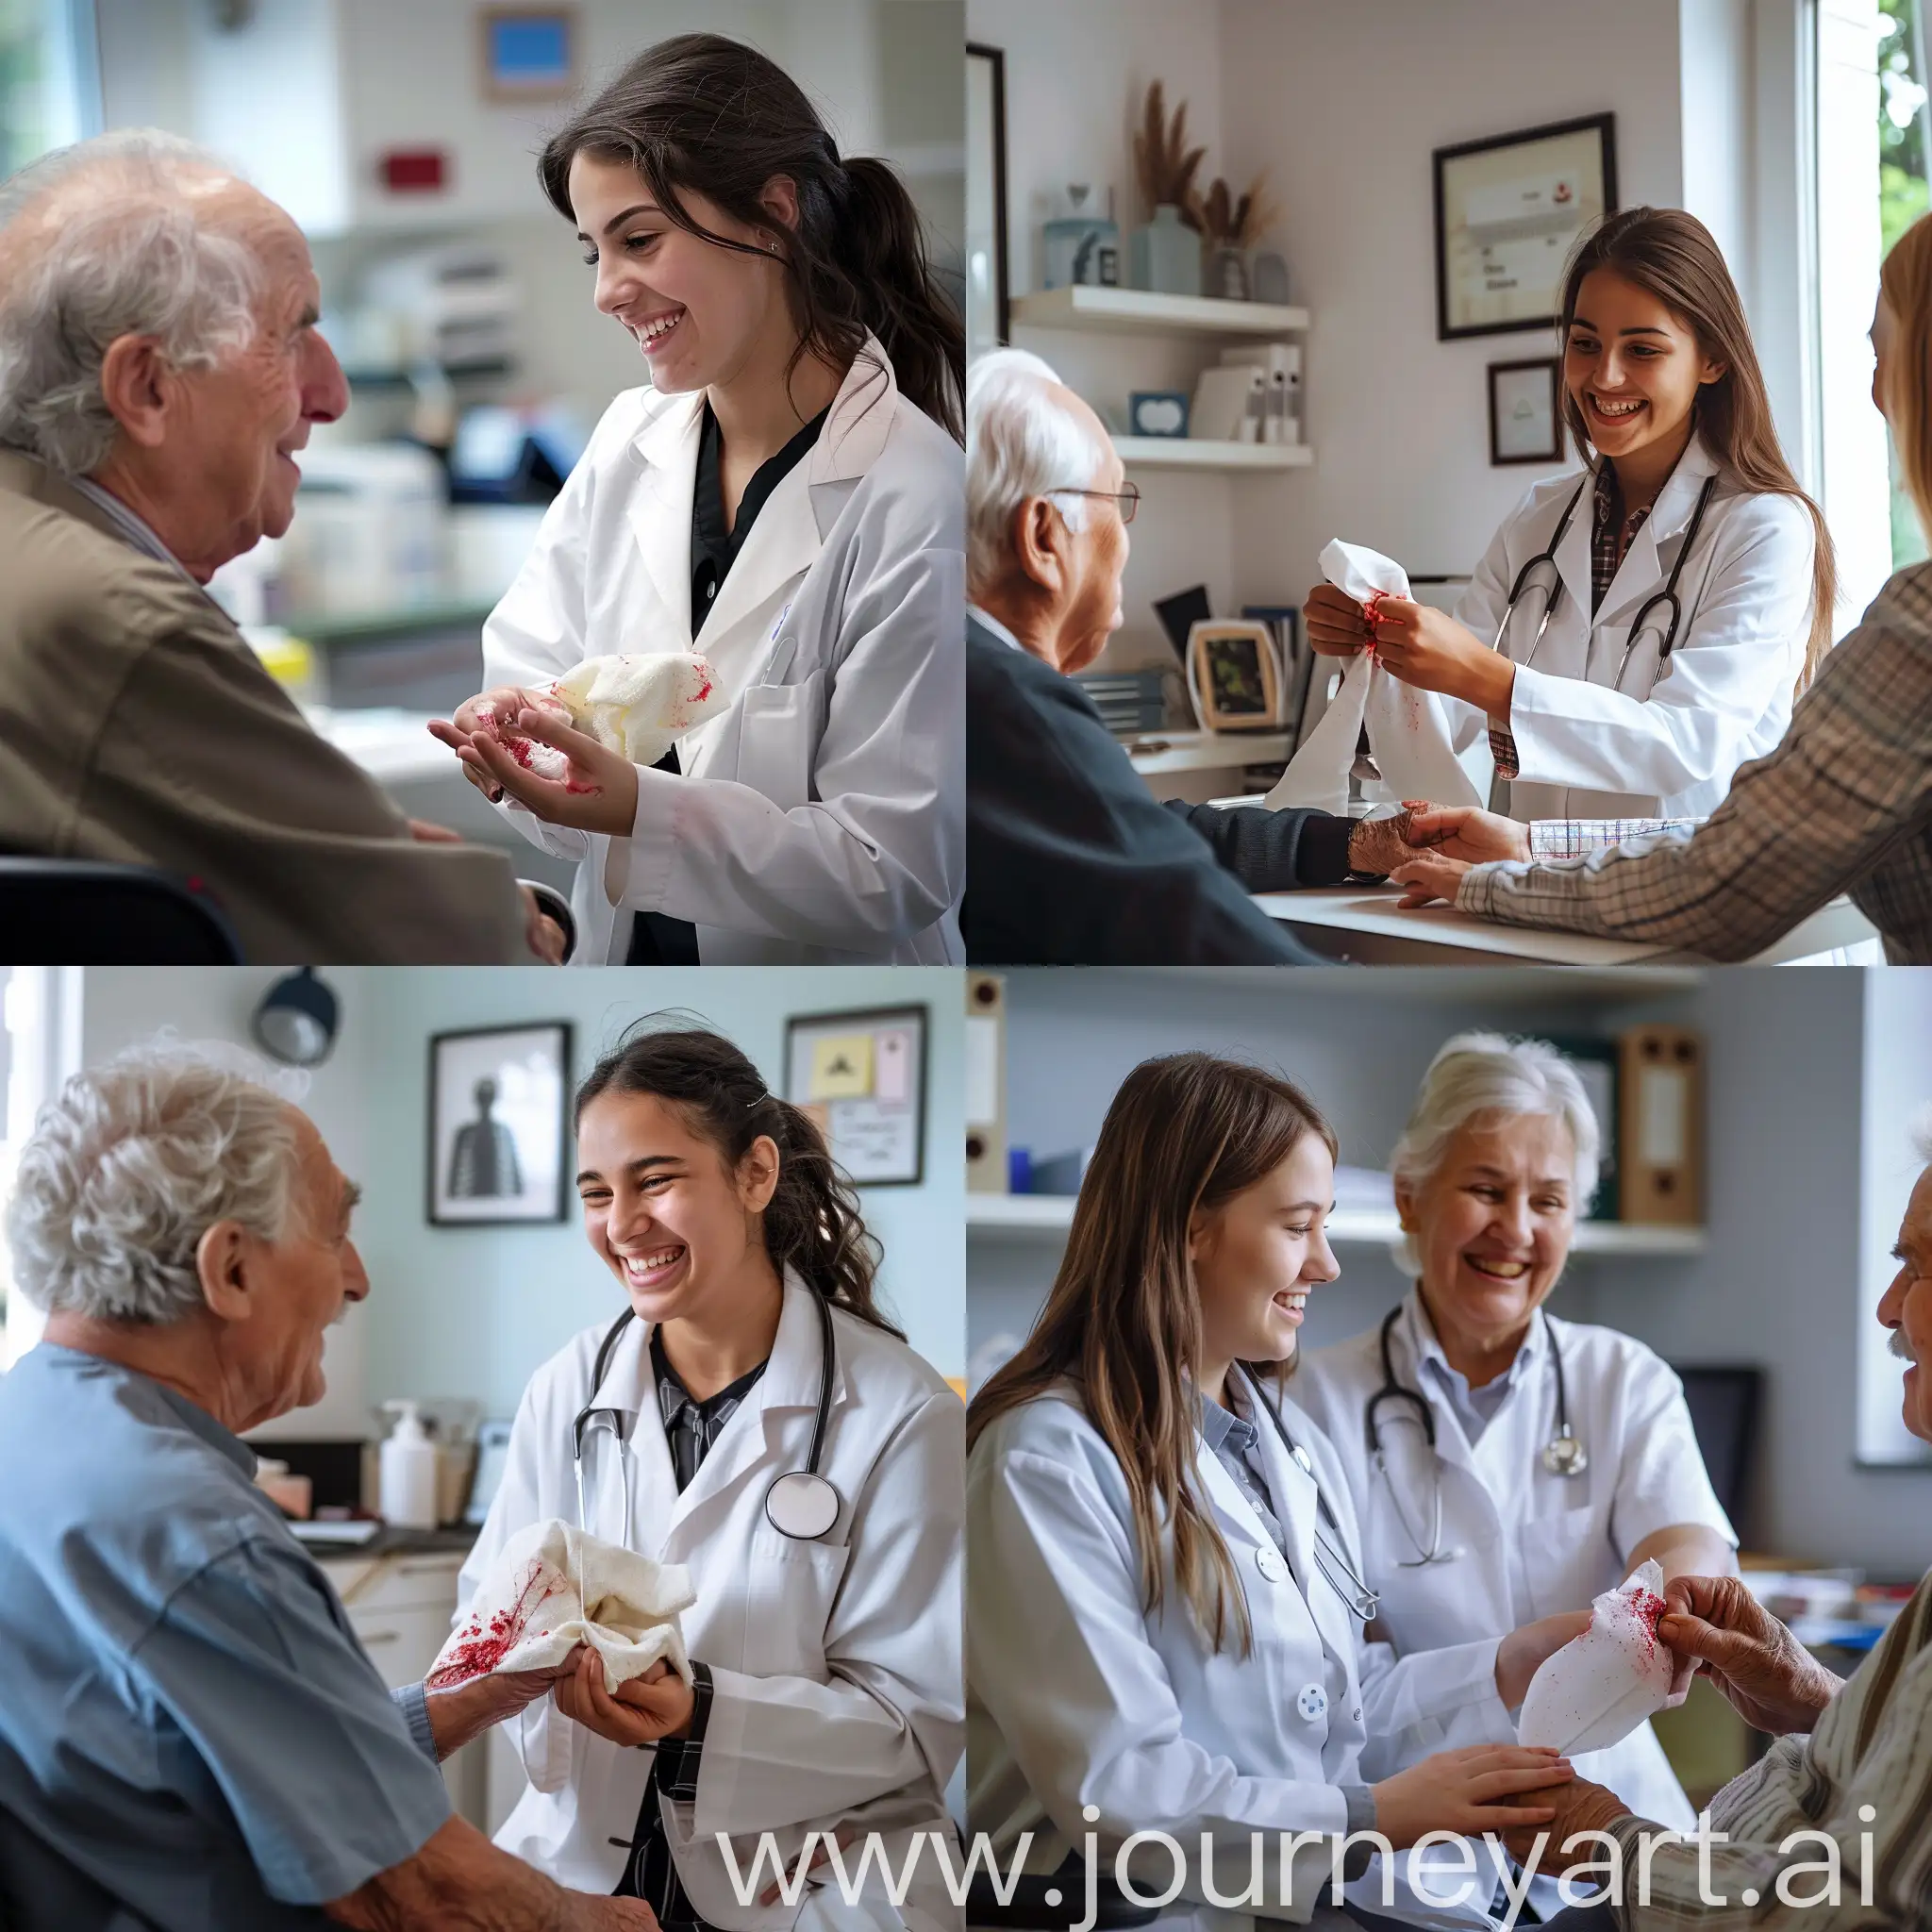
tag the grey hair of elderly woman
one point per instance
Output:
(133, 1162)
(131, 254)
(1484, 1078)
(1020, 444)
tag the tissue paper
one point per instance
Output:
(638, 703)
(553, 1588)
(1408, 729)
(1601, 1686)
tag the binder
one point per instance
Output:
(1660, 1106)
(986, 1084)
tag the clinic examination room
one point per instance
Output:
(400, 1237)
(480, 484)
(1415, 447)
(1535, 1332)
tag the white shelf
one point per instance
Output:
(1199, 452)
(1205, 751)
(1052, 1214)
(1138, 312)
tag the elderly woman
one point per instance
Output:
(192, 1736)
(1504, 1465)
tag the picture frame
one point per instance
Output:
(988, 300)
(1508, 210)
(1234, 676)
(498, 1126)
(861, 1076)
(1526, 412)
(1158, 412)
(530, 53)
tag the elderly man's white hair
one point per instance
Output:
(1484, 1076)
(104, 239)
(133, 1162)
(1020, 442)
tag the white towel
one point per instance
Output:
(1408, 729)
(553, 1588)
(638, 703)
(1597, 1689)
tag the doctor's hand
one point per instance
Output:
(598, 791)
(480, 714)
(1480, 1788)
(646, 1710)
(1772, 1682)
(1424, 878)
(1466, 832)
(1428, 648)
(1334, 622)
(1579, 1806)
(1521, 1654)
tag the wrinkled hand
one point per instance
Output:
(463, 1711)
(1467, 832)
(1334, 622)
(598, 791)
(1522, 1653)
(542, 933)
(1579, 1806)
(645, 1710)
(477, 715)
(1772, 1682)
(1465, 1791)
(1379, 845)
(1425, 879)
(1428, 649)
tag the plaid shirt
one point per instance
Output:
(1843, 804)
(1867, 1769)
(689, 1428)
(1610, 538)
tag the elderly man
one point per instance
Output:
(1069, 859)
(159, 368)
(192, 1739)
(1853, 1760)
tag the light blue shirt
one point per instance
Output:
(189, 1730)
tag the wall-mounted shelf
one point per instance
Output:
(1205, 751)
(1138, 312)
(1198, 453)
(1041, 1216)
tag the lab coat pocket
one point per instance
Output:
(778, 739)
(787, 1604)
(1563, 1558)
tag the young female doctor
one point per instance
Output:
(1166, 1598)
(1504, 1465)
(785, 497)
(1634, 634)
(751, 1415)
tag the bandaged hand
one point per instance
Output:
(644, 1711)
(597, 793)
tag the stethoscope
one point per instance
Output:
(1562, 1455)
(1542, 566)
(1331, 1559)
(800, 1504)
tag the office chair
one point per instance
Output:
(76, 912)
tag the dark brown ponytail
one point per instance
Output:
(812, 1223)
(714, 116)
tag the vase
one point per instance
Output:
(1227, 274)
(1167, 255)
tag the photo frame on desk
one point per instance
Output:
(861, 1076)
(1234, 677)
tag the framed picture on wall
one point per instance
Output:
(987, 283)
(496, 1124)
(1508, 210)
(529, 53)
(1525, 411)
(861, 1076)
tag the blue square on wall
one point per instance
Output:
(529, 51)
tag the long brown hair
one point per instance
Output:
(1183, 1135)
(812, 1223)
(1905, 285)
(1671, 255)
(714, 116)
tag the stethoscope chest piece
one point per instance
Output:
(1564, 1455)
(802, 1505)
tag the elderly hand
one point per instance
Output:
(1379, 845)
(1772, 1682)
(463, 1711)
(1579, 1806)
(1467, 832)
(1521, 1654)
(645, 1710)
(1334, 622)
(598, 791)
(1463, 1790)
(542, 933)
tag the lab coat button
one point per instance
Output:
(1312, 1703)
(1268, 1562)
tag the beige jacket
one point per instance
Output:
(137, 725)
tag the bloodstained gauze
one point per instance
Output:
(483, 1649)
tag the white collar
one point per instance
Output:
(1426, 1347)
(994, 625)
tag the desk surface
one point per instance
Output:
(1363, 925)
(393, 746)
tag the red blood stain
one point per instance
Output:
(704, 693)
(1372, 612)
(482, 1650)
(1647, 1607)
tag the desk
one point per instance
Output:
(1361, 926)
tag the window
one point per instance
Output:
(40, 1046)
(49, 78)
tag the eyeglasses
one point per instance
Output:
(1127, 501)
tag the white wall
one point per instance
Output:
(472, 1311)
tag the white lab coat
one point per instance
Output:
(1535, 1543)
(821, 816)
(1079, 1696)
(1662, 748)
(834, 1664)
